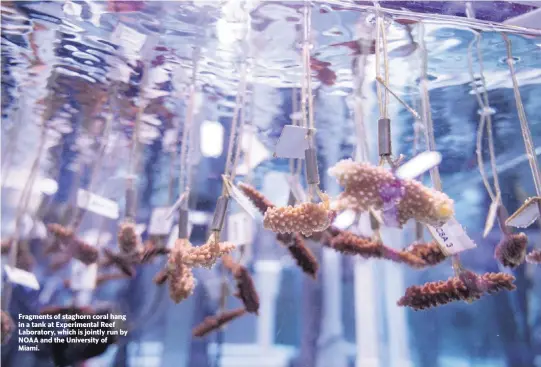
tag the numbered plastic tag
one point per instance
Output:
(83, 277)
(418, 165)
(491, 216)
(160, 222)
(22, 277)
(292, 142)
(526, 214)
(240, 229)
(451, 237)
(296, 188)
(97, 204)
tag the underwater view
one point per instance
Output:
(253, 183)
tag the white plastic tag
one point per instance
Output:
(240, 198)
(183, 197)
(240, 229)
(128, 38)
(147, 50)
(296, 188)
(83, 277)
(292, 142)
(451, 237)
(345, 219)
(526, 214)
(22, 277)
(173, 236)
(418, 165)
(160, 222)
(97, 204)
(51, 285)
(491, 216)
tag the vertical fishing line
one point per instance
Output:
(526, 133)
(308, 95)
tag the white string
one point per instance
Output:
(526, 133)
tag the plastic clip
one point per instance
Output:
(182, 223)
(130, 202)
(219, 214)
(312, 173)
(384, 137)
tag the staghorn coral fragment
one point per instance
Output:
(61, 237)
(454, 289)
(7, 327)
(181, 279)
(25, 260)
(104, 278)
(362, 183)
(128, 238)
(120, 262)
(161, 277)
(511, 251)
(212, 323)
(204, 255)
(303, 256)
(257, 198)
(430, 252)
(534, 257)
(305, 218)
(246, 291)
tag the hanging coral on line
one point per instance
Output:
(362, 183)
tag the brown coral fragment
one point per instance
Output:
(161, 277)
(454, 289)
(62, 236)
(128, 238)
(120, 262)
(7, 326)
(212, 323)
(151, 251)
(298, 250)
(511, 251)
(534, 257)
(84, 252)
(258, 199)
(181, 281)
(246, 290)
(430, 252)
(25, 260)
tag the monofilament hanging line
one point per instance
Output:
(381, 42)
(524, 127)
(307, 87)
(429, 124)
(186, 142)
(485, 117)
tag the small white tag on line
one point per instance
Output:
(418, 165)
(160, 222)
(491, 216)
(97, 204)
(292, 142)
(526, 214)
(240, 229)
(22, 277)
(451, 237)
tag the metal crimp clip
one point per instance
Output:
(219, 214)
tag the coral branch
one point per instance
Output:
(161, 277)
(430, 252)
(362, 183)
(246, 290)
(128, 238)
(439, 293)
(120, 262)
(7, 326)
(259, 201)
(511, 251)
(212, 323)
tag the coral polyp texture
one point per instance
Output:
(128, 238)
(362, 183)
(305, 218)
(511, 251)
(257, 198)
(534, 257)
(204, 255)
(181, 280)
(430, 252)
(454, 289)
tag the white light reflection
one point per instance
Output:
(212, 139)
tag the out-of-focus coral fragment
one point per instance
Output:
(511, 251)
(534, 257)
(246, 290)
(212, 323)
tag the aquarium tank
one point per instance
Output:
(258, 183)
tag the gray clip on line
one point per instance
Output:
(384, 137)
(312, 174)
(182, 223)
(219, 214)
